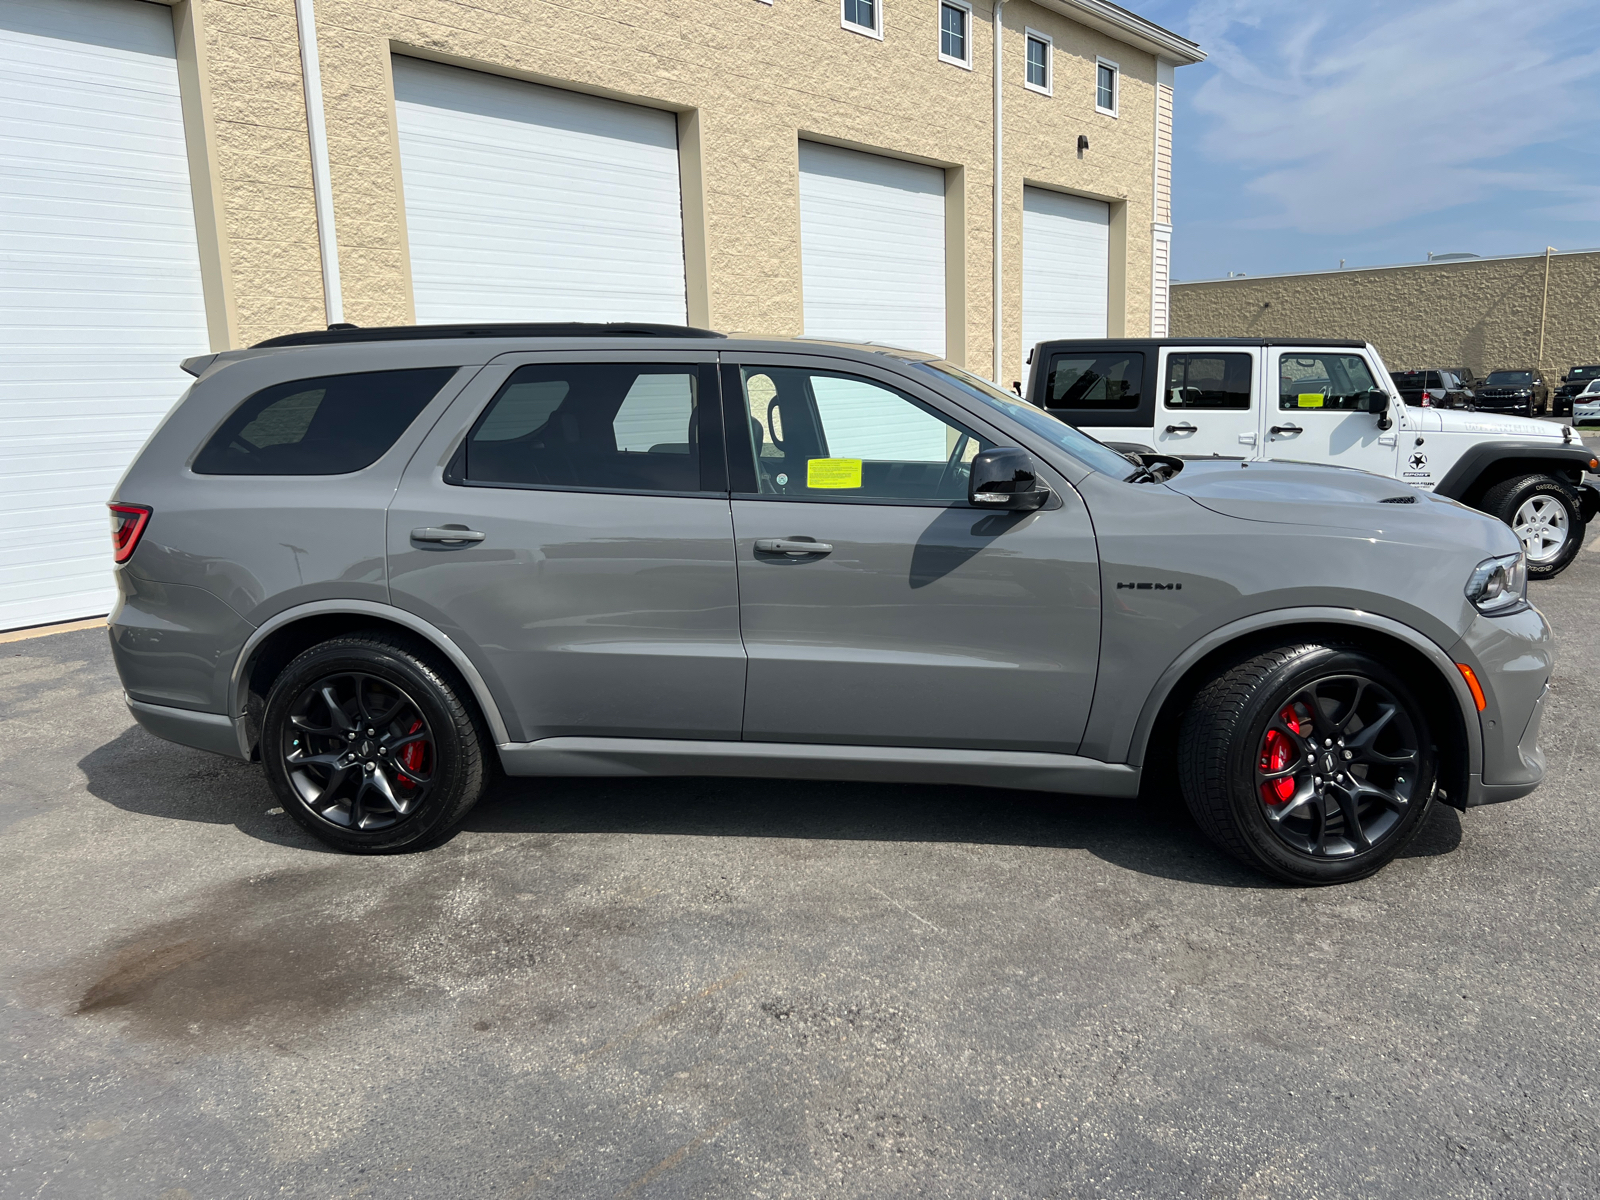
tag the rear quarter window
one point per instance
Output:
(330, 425)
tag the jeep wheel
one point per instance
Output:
(1312, 763)
(1544, 514)
(370, 746)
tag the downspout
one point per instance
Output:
(998, 219)
(321, 186)
(1544, 305)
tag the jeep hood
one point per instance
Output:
(1481, 424)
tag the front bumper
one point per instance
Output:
(1513, 658)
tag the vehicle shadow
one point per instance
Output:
(1152, 835)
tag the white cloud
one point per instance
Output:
(1352, 116)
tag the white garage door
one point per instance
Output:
(100, 289)
(872, 248)
(1066, 246)
(527, 203)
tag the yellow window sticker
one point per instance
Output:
(833, 473)
(1311, 399)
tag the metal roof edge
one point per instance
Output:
(1128, 27)
(1453, 262)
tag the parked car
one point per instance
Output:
(1468, 380)
(1573, 383)
(1586, 404)
(386, 563)
(1320, 402)
(1522, 392)
(1431, 389)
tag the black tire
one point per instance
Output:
(404, 785)
(1342, 818)
(1518, 499)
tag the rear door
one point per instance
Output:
(1316, 420)
(1209, 404)
(593, 579)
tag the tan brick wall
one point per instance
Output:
(1482, 314)
(761, 77)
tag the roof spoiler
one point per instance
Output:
(196, 365)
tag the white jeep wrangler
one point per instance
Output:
(1328, 402)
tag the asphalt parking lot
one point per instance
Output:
(733, 988)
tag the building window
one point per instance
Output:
(1106, 87)
(1039, 47)
(955, 33)
(863, 16)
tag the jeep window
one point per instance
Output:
(1208, 381)
(589, 426)
(1509, 379)
(1336, 381)
(1096, 381)
(1580, 373)
(1057, 432)
(326, 426)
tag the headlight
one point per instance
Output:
(1499, 585)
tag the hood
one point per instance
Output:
(1333, 498)
(1454, 420)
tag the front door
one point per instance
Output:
(917, 620)
(594, 583)
(1316, 419)
(1209, 405)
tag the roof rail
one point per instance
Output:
(406, 333)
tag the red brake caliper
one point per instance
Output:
(1277, 752)
(411, 756)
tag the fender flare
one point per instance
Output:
(1265, 622)
(1467, 469)
(239, 682)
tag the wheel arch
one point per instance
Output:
(1418, 658)
(1487, 464)
(286, 634)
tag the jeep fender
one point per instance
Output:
(1487, 463)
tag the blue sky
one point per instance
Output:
(1376, 132)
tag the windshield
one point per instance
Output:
(1584, 373)
(1509, 378)
(1078, 444)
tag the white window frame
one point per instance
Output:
(1116, 86)
(875, 31)
(1049, 88)
(966, 10)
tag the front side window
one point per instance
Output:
(1038, 62)
(331, 425)
(862, 15)
(1208, 380)
(1095, 380)
(629, 427)
(823, 435)
(953, 39)
(1324, 381)
(1105, 92)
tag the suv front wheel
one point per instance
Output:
(1544, 514)
(371, 747)
(1313, 763)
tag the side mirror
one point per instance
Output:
(1006, 479)
(1376, 401)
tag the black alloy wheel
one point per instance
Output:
(372, 745)
(1314, 763)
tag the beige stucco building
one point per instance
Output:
(1483, 313)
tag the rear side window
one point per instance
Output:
(327, 426)
(1208, 381)
(1094, 380)
(631, 427)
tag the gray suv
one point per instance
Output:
(390, 563)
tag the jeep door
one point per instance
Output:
(1316, 418)
(567, 524)
(917, 620)
(1208, 402)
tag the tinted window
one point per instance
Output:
(1326, 381)
(1584, 373)
(1418, 379)
(1208, 381)
(1509, 378)
(611, 426)
(1094, 380)
(326, 426)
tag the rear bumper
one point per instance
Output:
(201, 730)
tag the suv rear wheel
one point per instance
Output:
(371, 747)
(1312, 763)
(1544, 514)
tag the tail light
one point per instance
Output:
(127, 527)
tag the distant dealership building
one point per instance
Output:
(204, 174)
(1483, 313)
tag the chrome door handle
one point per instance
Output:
(1183, 428)
(792, 546)
(447, 535)
(1277, 429)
